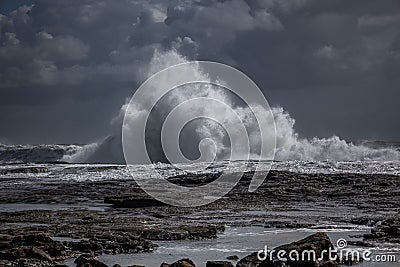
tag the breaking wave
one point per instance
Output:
(289, 146)
(36, 153)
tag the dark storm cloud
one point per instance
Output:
(6, 6)
(67, 66)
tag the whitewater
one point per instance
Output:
(289, 145)
(291, 149)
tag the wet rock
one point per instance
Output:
(202, 232)
(86, 247)
(366, 221)
(232, 258)
(82, 259)
(116, 265)
(164, 234)
(387, 231)
(183, 263)
(32, 239)
(13, 254)
(39, 254)
(87, 261)
(277, 195)
(317, 242)
(219, 264)
(112, 243)
(164, 264)
(132, 202)
(37, 246)
(193, 180)
(27, 263)
(182, 233)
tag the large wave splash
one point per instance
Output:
(36, 153)
(289, 146)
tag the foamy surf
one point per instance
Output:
(289, 145)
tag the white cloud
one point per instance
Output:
(327, 52)
(10, 39)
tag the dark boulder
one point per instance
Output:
(317, 243)
(86, 246)
(37, 246)
(36, 253)
(387, 231)
(183, 263)
(88, 260)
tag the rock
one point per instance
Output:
(39, 254)
(282, 192)
(55, 249)
(32, 239)
(164, 264)
(116, 265)
(387, 231)
(37, 246)
(202, 232)
(132, 202)
(318, 243)
(183, 263)
(112, 243)
(13, 254)
(219, 264)
(163, 234)
(85, 246)
(82, 259)
(86, 260)
(250, 261)
(181, 233)
(193, 180)
(232, 258)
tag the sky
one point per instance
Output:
(6, 6)
(67, 67)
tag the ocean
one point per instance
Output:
(41, 192)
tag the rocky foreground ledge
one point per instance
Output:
(39, 250)
(71, 220)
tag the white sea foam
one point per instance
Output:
(289, 146)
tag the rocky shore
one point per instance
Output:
(42, 224)
(41, 250)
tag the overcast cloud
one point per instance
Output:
(66, 67)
